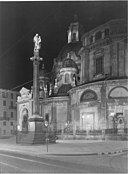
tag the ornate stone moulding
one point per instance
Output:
(25, 95)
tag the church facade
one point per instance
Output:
(87, 89)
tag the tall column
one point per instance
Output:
(35, 120)
(35, 85)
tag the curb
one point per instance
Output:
(91, 154)
(70, 154)
(114, 152)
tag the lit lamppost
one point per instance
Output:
(67, 124)
(82, 121)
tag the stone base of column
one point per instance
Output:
(36, 133)
(36, 123)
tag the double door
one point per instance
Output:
(87, 121)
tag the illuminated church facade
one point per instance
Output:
(87, 89)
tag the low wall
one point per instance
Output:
(93, 136)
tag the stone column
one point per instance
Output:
(35, 121)
(74, 122)
(82, 67)
(35, 85)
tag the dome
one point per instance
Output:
(70, 47)
(64, 89)
(69, 63)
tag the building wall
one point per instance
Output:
(8, 112)
(112, 47)
(58, 109)
(103, 106)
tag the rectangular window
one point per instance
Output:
(4, 114)
(11, 103)
(11, 114)
(11, 131)
(4, 123)
(98, 35)
(4, 103)
(99, 65)
(91, 39)
(4, 95)
(4, 132)
(74, 37)
(11, 123)
(106, 32)
(11, 95)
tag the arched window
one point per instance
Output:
(88, 95)
(98, 35)
(66, 78)
(73, 37)
(91, 39)
(118, 92)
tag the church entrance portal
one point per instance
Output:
(25, 120)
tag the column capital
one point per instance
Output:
(36, 58)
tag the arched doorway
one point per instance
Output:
(25, 120)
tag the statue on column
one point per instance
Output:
(37, 40)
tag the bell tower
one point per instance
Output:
(73, 32)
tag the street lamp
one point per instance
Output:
(17, 130)
(47, 138)
(82, 120)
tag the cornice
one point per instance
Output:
(82, 86)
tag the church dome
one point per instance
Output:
(69, 63)
(64, 89)
(70, 47)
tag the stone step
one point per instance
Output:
(34, 138)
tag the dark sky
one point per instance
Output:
(20, 21)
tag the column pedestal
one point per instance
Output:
(36, 123)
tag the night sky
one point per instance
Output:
(20, 21)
